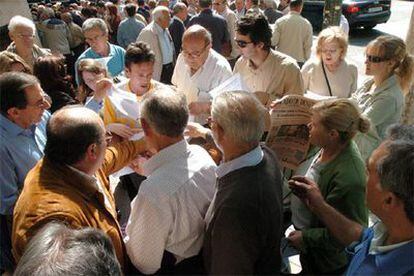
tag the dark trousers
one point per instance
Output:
(6, 257)
(167, 72)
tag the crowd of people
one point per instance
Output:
(199, 192)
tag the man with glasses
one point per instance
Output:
(263, 69)
(70, 184)
(95, 31)
(199, 69)
(22, 33)
(23, 121)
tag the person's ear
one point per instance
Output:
(11, 35)
(13, 113)
(92, 151)
(391, 201)
(127, 72)
(145, 127)
(334, 134)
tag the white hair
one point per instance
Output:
(94, 23)
(159, 11)
(20, 21)
(240, 115)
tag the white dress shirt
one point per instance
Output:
(168, 212)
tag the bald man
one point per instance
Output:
(199, 69)
(70, 184)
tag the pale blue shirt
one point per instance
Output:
(20, 149)
(250, 159)
(166, 45)
(128, 31)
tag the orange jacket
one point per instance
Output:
(54, 192)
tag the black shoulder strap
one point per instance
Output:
(326, 78)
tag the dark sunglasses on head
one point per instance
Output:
(242, 43)
(375, 59)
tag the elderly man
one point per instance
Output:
(386, 248)
(292, 34)
(22, 139)
(70, 184)
(96, 35)
(166, 225)
(22, 32)
(245, 218)
(199, 69)
(158, 37)
(216, 25)
(86, 251)
(220, 6)
(270, 11)
(130, 27)
(261, 68)
(177, 27)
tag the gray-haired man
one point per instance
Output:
(167, 215)
(245, 219)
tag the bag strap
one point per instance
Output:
(326, 78)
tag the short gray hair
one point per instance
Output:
(159, 11)
(166, 111)
(59, 250)
(240, 115)
(396, 173)
(400, 132)
(94, 23)
(178, 7)
(20, 21)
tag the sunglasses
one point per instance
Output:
(375, 59)
(242, 43)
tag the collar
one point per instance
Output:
(89, 180)
(176, 17)
(265, 62)
(380, 235)
(205, 64)
(12, 128)
(390, 82)
(164, 156)
(110, 54)
(250, 159)
(158, 28)
(294, 12)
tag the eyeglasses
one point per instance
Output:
(242, 43)
(329, 51)
(196, 54)
(43, 103)
(375, 59)
(22, 36)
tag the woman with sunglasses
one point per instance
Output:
(381, 97)
(329, 74)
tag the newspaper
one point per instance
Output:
(233, 83)
(289, 134)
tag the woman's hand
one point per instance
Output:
(102, 88)
(122, 130)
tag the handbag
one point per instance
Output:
(326, 79)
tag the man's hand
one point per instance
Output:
(198, 108)
(137, 163)
(122, 130)
(195, 130)
(296, 239)
(307, 190)
(102, 88)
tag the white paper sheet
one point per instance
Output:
(234, 83)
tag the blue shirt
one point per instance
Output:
(20, 149)
(115, 63)
(128, 31)
(166, 44)
(397, 261)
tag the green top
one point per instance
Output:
(342, 184)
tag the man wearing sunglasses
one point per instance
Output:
(199, 69)
(261, 68)
(23, 121)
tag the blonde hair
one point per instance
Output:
(92, 66)
(7, 59)
(342, 115)
(332, 34)
(393, 48)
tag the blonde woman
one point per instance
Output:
(339, 171)
(329, 74)
(381, 97)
